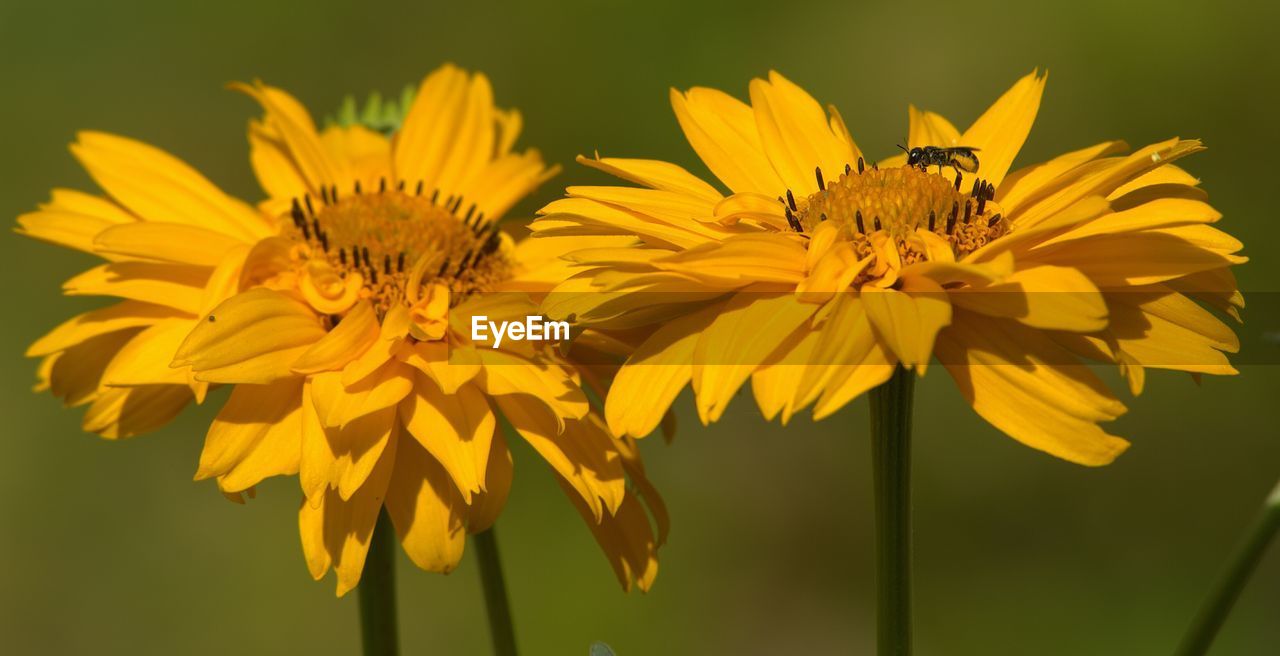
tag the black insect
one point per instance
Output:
(960, 158)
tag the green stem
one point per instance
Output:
(495, 594)
(1214, 612)
(891, 458)
(377, 592)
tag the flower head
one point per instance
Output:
(820, 271)
(337, 311)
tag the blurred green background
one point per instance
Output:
(109, 548)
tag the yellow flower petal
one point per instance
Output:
(317, 456)
(450, 367)
(256, 435)
(1000, 132)
(740, 260)
(125, 314)
(165, 242)
(646, 386)
(849, 381)
(346, 342)
(1165, 330)
(1145, 257)
(655, 174)
(424, 146)
(1023, 383)
(70, 228)
(796, 135)
(288, 120)
(907, 320)
(178, 286)
(626, 537)
(1041, 180)
(160, 187)
(339, 404)
(722, 130)
(1101, 178)
(118, 412)
(1048, 297)
(426, 509)
(487, 505)
(582, 453)
(145, 359)
(510, 375)
(253, 337)
(344, 529)
(738, 341)
(930, 129)
(456, 429)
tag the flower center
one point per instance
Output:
(868, 203)
(392, 247)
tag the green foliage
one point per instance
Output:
(385, 116)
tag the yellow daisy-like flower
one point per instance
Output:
(338, 312)
(820, 272)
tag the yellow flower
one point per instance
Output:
(820, 272)
(338, 312)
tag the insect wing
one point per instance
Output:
(964, 159)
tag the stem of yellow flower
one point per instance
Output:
(891, 458)
(377, 592)
(495, 594)
(1214, 612)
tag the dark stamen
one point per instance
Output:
(792, 220)
(373, 276)
(876, 222)
(382, 185)
(932, 219)
(357, 187)
(342, 256)
(861, 167)
(492, 243)
(296, 212)
(994, 220)
(400, 263)
(417, 191)
(968, 207)
(364, 252)
(462, 266)
(307, 199)
(400, 186)
(386, 264)
(857, 216)
(817, 171)
(791, 201)
(847, 169)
